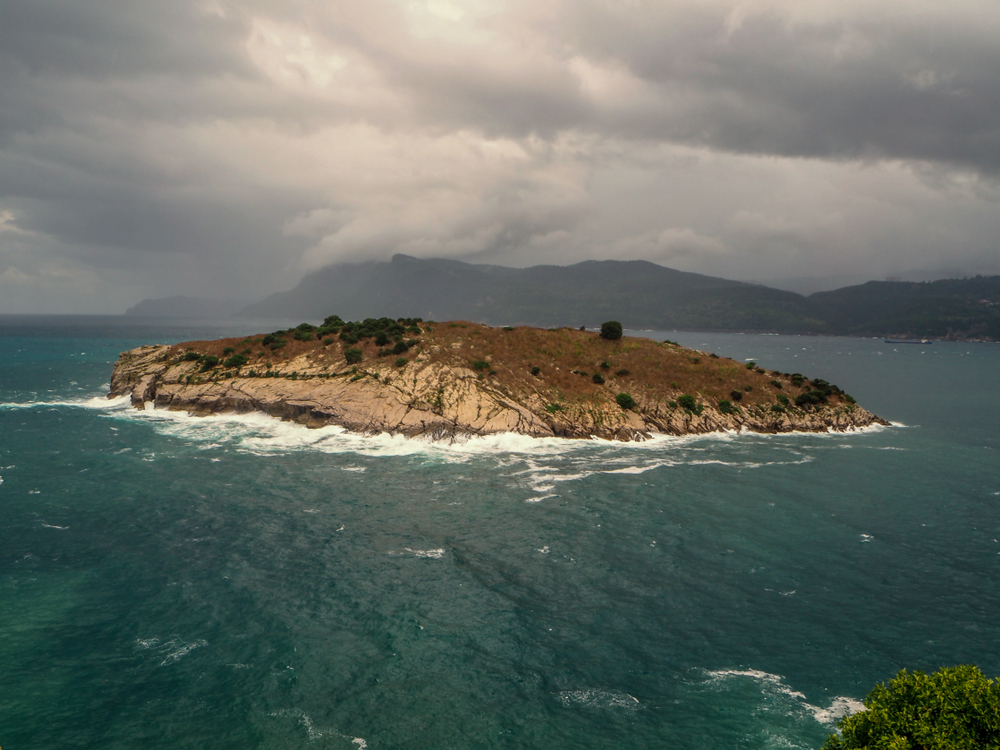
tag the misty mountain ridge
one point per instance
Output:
(187, 307)
(640, 294)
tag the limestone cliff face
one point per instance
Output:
(433, 399)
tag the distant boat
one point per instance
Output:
(908, 341)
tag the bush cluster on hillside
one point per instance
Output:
(611, 330)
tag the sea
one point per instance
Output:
(169, 581)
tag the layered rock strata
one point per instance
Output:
(443, 400)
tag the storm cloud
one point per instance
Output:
(225, 148)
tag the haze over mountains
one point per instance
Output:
(640, 294)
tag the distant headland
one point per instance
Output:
(445, 380)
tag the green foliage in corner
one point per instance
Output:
(726, 406)
(611, 330)
(955, 708)
(353, 356)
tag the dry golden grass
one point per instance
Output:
(656, 371)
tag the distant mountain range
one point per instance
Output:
(639, 294)
(187, 307)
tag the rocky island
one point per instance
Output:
(454, 379)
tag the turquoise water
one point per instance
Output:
(168, 581)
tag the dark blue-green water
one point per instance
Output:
(175, 582)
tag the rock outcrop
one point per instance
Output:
(437, 392)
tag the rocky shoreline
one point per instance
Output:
(441, 392)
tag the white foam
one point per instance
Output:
(180, 650)
(100, 403)
(840, 706)
(435, 554)
(50, 526)
(539, 499)
(174, 648)
(596, 698)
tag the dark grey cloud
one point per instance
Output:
(223, 148)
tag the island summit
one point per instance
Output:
(450, 380)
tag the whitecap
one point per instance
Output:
(539, 498)
(180, 650)
(174, 649)
(435, 554)
(597, 698)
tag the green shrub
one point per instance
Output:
(401, 362)
(208, 361)
(778, 408)
(750, 365)
(237, 360)
(605, 366)
(381, 338)
(622, 374)
(695, 360)
(810, 397)
(553, 408)
(598, 378)
(625, 401)
(797, 379)
(726, 406)
(353, 355)
(687, 402)
(611, 330)
(536, 371)
(191, 356)
(228, 350)
(672, 404)
(480, 365)
(955, 708)
(849, 398)
(736, 395)
(302, 336)
(783, 399)
(713, 355)
(776, 383)
(400, 347)
(327, 341)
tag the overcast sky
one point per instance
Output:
(224, 149)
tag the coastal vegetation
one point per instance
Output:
(955, 708)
